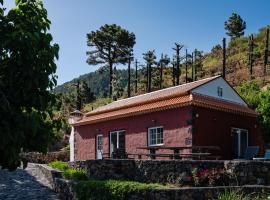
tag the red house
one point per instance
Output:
(204, 112)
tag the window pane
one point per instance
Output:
(155, 136)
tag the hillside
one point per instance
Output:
(237, 71)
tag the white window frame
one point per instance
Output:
(238, 131)
(148, 135)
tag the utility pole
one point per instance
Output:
(250, 55)
(177, 49)
(266, 51)
(129, 62)
(136, 75)
(224, 59)
(186, 66)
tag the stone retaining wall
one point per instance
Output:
(66, 190)
(173, 171)
(151, 171)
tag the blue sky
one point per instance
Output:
(157, 24)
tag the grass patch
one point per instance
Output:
(68, 173)
(235, 195)
(111, 189)
(75, 174)
(59, 165)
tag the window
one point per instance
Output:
(220, 91)
(155, 136)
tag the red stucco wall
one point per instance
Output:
(210, 127)
(214, 128)
(176, 129)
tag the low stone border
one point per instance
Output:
(66, 191)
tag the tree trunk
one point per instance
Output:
(149, 77)
(224, 59)
(250, 56)
(129, 61)
(177, 66)
(192, 66)
(173, 73)
(136, 76)
(266, 53)
(111, 79)
(186, 66)
(161, 75)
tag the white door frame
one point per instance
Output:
(97, 150)
(238, 131)
(117, 140)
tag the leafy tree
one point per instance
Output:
(250, 91)
(87, 94)
(109, 45)
(27, 74)
(264, 110)
(235, 26)
(149, 57)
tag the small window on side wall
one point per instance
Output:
(155, 136)
(220, 91)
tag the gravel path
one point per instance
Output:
(24, 185)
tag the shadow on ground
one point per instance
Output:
(22, 185)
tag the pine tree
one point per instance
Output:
(163, 62)
(235, 26)
(110, 45)
(149, 57)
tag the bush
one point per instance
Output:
(75, 174)
(236, 195)
(111, 189)
(59, 165)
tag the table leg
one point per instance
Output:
(176, 154)
(152, 152)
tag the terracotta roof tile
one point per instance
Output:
(152, 96)
(181, 101)
(136, 110)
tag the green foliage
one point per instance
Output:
(111, 189)
(235, 26)
(236, 195)
(260, 101)
(264, 110)
(27, 74)
(75, 174)
(59, 165)
(250, 91)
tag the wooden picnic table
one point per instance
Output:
(203, 150)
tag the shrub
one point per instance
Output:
(111, 189)
(59, 165)
(75, 174)
(236, 195)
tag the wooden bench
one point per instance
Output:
(195, 155)
(153, 156)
